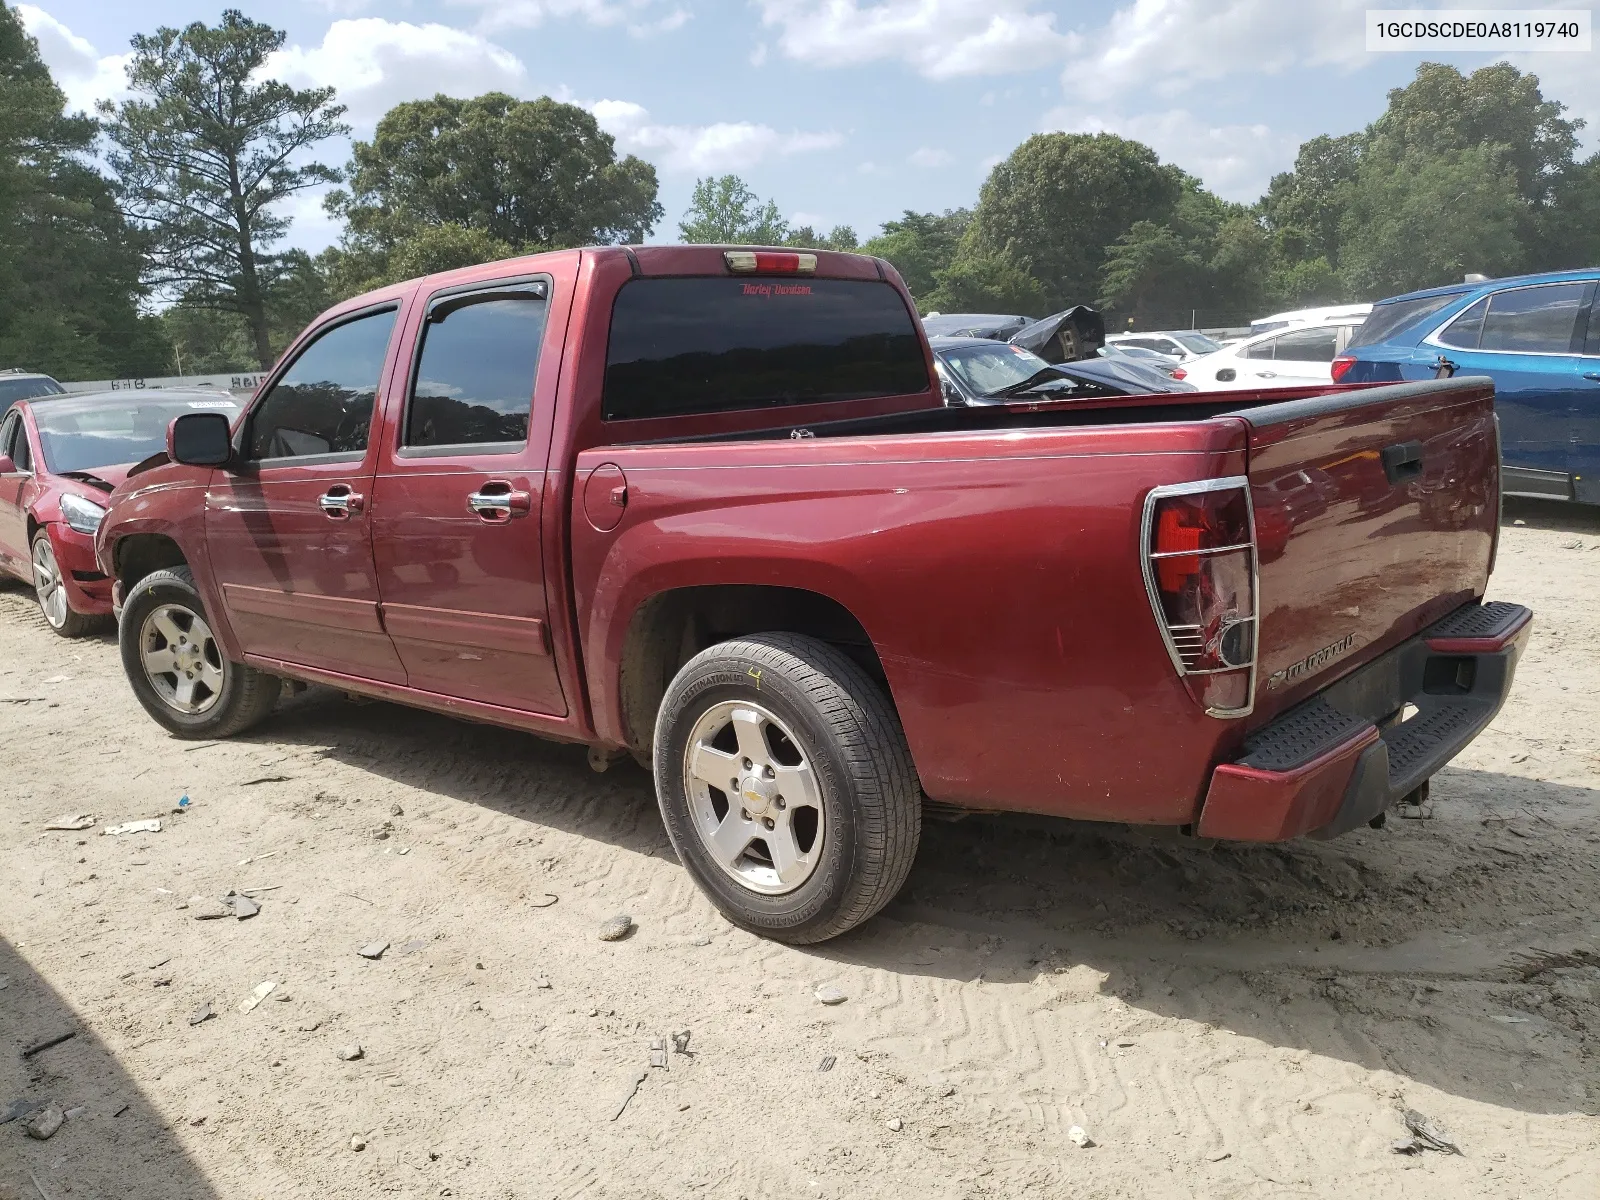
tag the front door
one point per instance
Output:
(15, 556)
(288, 529)
(458, 499)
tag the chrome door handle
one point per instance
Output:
(340, 501)
(1592, 376)
(1266, 374)
(498, 502)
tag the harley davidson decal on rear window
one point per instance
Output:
(1311, 662)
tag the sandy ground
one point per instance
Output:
(1222, 1020)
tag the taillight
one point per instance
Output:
(769, 262)
(1341, 366)
(1179, 374)
(1200, 570)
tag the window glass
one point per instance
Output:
(97, 432)
(1465, 330)
(21, 452)
(323, 403)
(1262, 349)
(8, 431)
(1309, 345)
(12, 390)
(1592, 346)
(682, 346)
(1198, 343)
(1534, 320)
(475, 379)
(1397, 316)
(986, 368)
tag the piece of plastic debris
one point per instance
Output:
(282, 997)
(1219, 1155)
(72, 1114)
(151, 825)
(895, 1124)
(54, 1039)
(58, 679)
(541, 982)
(44, 1123)
(827, 1063)
(357, 1142)
(1079, 1137)
(350, 1053)
(680, 1041)
(373, 949)
(630, 1087)
(1430, 1135)
(544, 901)
(71, 821)
(243, 906)
(18, 1109)
(614, 929)
(204, 1013)
(828, 994)
(413, 946)
(183, 803)
(257, 994)
(658, 1052)
(160, 962)
(204, 908)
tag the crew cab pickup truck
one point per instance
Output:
(706, 507)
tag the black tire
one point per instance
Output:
(246, 696)
(851, 736)
(73, 624)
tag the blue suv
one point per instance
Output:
(1536, 336)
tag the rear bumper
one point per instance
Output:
(1336, 761)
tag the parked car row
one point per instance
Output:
(709, 508)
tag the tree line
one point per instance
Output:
(145, 239)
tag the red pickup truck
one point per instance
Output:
(706, 506)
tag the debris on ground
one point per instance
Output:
(1219, 1155)
(206, 908)
(357, 1142)
(827, 1063)
(350, 1053)
(828, 994)
(614, 929)
(1425, 1135)
(265, 779)
(1079, 1137)
(257, 994)
(630, 1087)
(204, 1013)
(18, 1109)
(413, 946)
(895, 1124)
(151, 825)
(680, 1041)
(373, 949)
(396, 811)
(541, 982)
(44, 1123)
(54, 1039)
(544, 900)
(71, 821)
(658, 1052)
(243, 906)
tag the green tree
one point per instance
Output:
(206, 151)
(1208, 255)
(723, 210)
(69, 263)
(447, 182)
(983, 281)
(1304, 207)
(840, 237)
(1060, 201)
(920, 245)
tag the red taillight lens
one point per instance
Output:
(1180, 374)
(1341, 367)
(769, 262)
(1201, 555)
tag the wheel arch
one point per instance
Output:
(137, 555)
(670, 627)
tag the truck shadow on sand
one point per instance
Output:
(1415, 948)
(1561, 516)
(118, 1147)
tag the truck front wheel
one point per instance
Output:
(177, 667)
(786, 786)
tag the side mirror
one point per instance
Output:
(200, 439)
(7, 467)
(952, 394)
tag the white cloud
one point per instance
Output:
(940, 39)
(724, 146)
(1169, 46)
(376, 64)
(642, 18)
(1235, 161)
(928, 157)
(81, 72)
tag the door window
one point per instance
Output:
(474, 381)
(1309, 345)
(1466, 330)
(1592, 346)
(1533, 320)
(1262, 349)
(323, 403)
(8, 434)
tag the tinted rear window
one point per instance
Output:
(1533, 320)
(685, 346)
(1387, 319)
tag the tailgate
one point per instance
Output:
(1376, 514)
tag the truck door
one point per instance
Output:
(288, 530)
(459, 496)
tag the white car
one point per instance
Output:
(1307, 316)
(1179, 345)
(1288, 357)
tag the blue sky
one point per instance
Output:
(843, 111)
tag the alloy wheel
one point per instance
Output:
(47, 583)
(181, 659)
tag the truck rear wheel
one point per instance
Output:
(786, 786)
(177, 667)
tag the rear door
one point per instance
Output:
(1585, 439)
(288, 531)
(459, 495)
(1304, 355)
